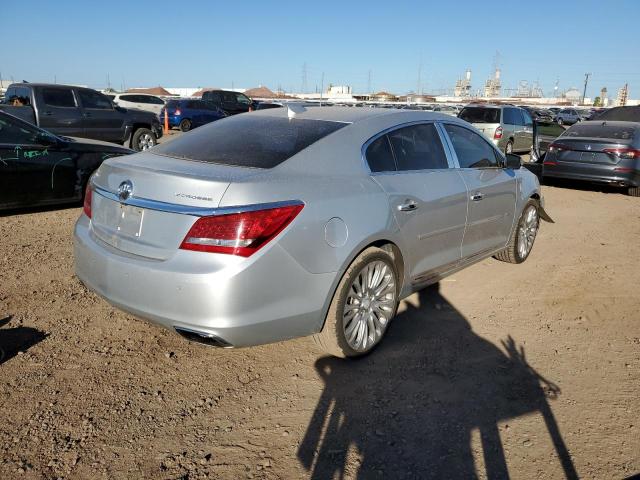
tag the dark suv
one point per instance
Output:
(81, 112)
(229, 102)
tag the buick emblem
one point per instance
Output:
(125, 190)
(588, 147)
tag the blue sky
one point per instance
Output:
(206, 43)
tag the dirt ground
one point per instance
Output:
(528, 371)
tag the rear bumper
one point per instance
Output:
(248, 302)
(593, 173)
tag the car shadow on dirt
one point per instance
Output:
(15, 340)
(410, 408)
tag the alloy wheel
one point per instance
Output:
(146, 141)
(528, 229)
(369, 305)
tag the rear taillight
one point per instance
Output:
(86, 206)
(558, 147)
(623, 152)
(498, 133)
(239, 233)
(177, 112)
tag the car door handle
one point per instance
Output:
(87, 115)
(408, 206)
(476, 197)
(47, 113)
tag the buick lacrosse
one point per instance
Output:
(289, 222)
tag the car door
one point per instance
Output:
(34, 166)
(527, 130)
(491, 190)
(58, 111)
(428, 197)
(509, 126)
(101, 120)
(518, 129)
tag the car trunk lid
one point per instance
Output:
(166, 195)
(588, 150)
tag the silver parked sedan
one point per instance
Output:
(280, 223)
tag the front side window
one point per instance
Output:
(471, 149)
(379, 156)
(58, 97)
(128, 98)
(90, 99)
(243, 99)
(418, 147)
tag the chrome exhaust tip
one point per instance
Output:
(202, 337)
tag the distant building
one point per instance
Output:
(623, 96)
(493, 86)
(463, 85)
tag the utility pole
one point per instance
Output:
(586, 80)
(419, 86)
(304, 77)
(322, 86)
(369, 83)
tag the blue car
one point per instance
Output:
(187, 114)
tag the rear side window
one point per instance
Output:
(601, 131)
(248, 141)
(95, 100)
(15, 133)
(480, 115)
(471, 149)
(18, 96)
(379, 156)
(58, 97)
(418, 148)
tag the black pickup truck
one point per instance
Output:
(81, 112)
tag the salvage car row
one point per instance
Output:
(327, 215)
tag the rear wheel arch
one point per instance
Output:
(388, 246)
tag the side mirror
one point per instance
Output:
(513, 161)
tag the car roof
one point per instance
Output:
(350, 114)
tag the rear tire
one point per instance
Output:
(634, 191)
(185, 125)
(523, 235)
(143, 139)
(358, 317)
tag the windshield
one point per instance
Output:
(248, 140)
(480, 115)
(601, 131)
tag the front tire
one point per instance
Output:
(362, 307)
(143, 139)
(523, 237)
(560, 121)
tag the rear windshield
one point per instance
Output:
(480, 115)
(601, 131)
(248, 140)
(624, 114)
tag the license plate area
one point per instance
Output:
(118, 219)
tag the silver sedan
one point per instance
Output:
(300, 221)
